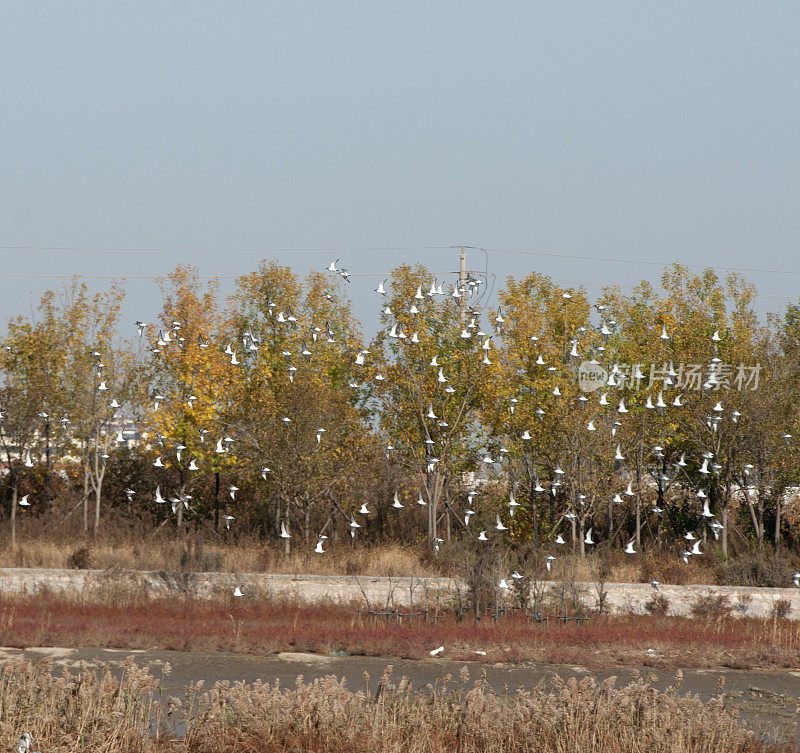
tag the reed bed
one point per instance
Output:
(95, 711)
(262, 626)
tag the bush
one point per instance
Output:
(81, 558)
(781, 609)
(755, 571)
(743, 602)
(711, 605)
(658, 605)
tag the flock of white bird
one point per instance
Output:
(171, 337)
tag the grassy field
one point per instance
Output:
(266, 626)
(94, 711)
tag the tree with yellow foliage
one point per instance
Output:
(296, 418)
(190, 381)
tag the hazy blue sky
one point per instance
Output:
(639, 130)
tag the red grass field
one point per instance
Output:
(265, 627)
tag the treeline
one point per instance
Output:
(639, 417)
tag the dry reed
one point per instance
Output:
(94, 711)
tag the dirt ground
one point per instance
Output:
(768, 702)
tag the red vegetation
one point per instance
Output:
(268, 627)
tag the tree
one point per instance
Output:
(428, 373)
(61, 360)
(296, 419)
(700, 337)
(191, 381)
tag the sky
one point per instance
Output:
(139, 135)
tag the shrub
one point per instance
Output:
(743, 602)
(755, 571)
(781, 609)
(658, 605)
(711, 604)
(81, 558)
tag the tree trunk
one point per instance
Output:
(725, 505)
(47, 490)
(100, 473)
(14, 495)
(86, 472)
(216, 503)
(433, 504)
(534, 515)
(756, 518)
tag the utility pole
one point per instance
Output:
(462, 282)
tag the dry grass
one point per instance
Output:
(147, 552)
(248, 556)
(258, 626)
(91, 711)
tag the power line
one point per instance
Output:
(368, 249)
(377, 275)
(219, 250)
(648, 262)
